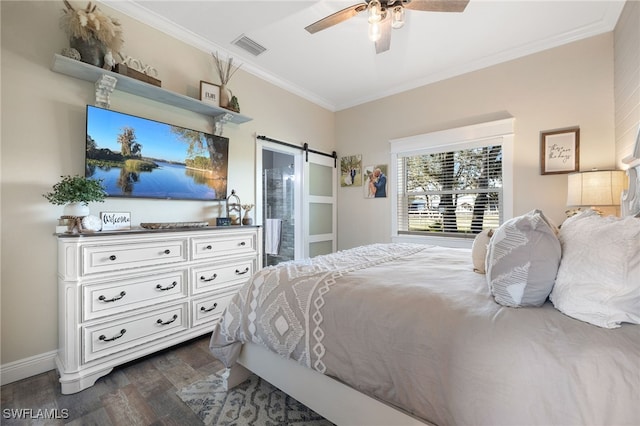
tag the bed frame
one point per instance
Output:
(332, 399)
(340, 403)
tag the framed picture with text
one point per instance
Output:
(210, 93)
(560, 151)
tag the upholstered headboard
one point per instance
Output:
(631, 197)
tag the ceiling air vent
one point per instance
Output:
(249, 45)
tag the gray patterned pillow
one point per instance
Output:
(522, 260)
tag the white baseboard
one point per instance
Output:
(27, 367)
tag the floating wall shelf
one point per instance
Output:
(83, 71)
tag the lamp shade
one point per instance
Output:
(596, 188)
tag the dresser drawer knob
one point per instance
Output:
(209, 247)
(243, 243)
(242, 272)
(206, 280)
(111, 339)
(167, 251)
(173, 284)
(112, 257)
(113, 299)
(203, 309)
(175, 317)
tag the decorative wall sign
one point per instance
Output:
(351, 170)
(210, 93)
(560, 151)
(115, 221)
(138, 65)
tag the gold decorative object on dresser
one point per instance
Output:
(124, 295)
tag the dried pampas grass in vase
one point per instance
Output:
(92, 33)
(225, 71)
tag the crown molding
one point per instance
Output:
(604, 25)
(160, 23)
(137, 11)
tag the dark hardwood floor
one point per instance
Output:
(142, 392)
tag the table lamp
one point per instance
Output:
(597, 189)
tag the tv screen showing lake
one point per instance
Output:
(141, 158)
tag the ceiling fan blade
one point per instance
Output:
(437, 5)
(384, 43)
(336, 18)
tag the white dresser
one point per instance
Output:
(123, 295)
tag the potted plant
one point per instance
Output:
(75, 192)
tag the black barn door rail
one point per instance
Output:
(304, 148)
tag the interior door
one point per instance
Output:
(319, 205)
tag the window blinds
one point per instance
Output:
(456, 192)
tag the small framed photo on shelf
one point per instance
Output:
(560, 151)
(210, 93)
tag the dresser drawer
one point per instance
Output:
(106, 339)
(228, 245)
(218, 276)
(102, 299)
(106, 258)
(209, 308)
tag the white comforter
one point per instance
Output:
(413, 325)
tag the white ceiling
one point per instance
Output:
(338, 68)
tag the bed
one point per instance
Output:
(407, 334)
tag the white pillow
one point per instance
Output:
(599, 276)
(479, 250)
(522, 260)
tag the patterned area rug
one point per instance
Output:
(254, 402)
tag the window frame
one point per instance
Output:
(499, 132)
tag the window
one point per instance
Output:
(452, 184)
(456, 192)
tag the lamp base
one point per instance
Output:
(601, 210)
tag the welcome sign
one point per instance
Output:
(115, 221)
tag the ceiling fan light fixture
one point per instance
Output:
(375, 31)
(397, 17)
(375, 11)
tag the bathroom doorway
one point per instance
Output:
(278, 207)
(296, 201)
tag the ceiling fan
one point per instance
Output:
(385, 15)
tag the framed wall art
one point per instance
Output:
(210, 93)
(560, 151)
(351, 170)
(374, 181)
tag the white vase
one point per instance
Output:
(76, 209)
(225, 96)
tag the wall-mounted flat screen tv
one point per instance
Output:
(141, 158)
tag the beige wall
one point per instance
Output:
(567, 86)
(43, 116)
